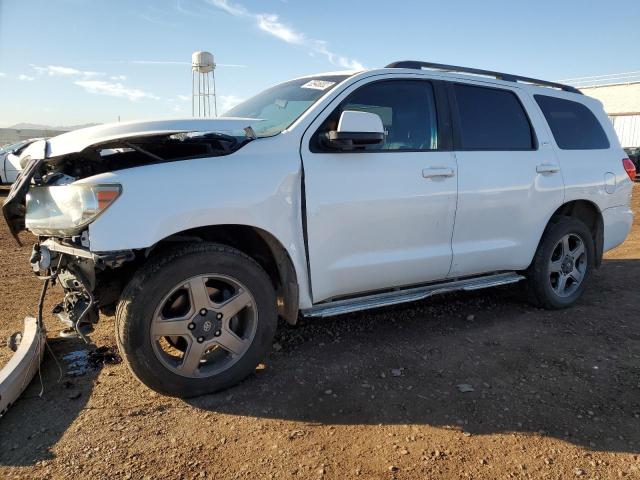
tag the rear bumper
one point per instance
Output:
(617, 225)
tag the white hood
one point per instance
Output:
(78, 140)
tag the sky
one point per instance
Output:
(69, 62)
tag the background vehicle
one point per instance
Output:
(323, 195)
(10, 160)
(634, 155)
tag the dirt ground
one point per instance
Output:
(374, 395)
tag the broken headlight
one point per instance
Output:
(63, 210)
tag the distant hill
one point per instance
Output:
(37, 126)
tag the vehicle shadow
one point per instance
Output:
(480, 363)
(35, 423)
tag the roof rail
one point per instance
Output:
(508, 77)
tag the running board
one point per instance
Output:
(350, 305)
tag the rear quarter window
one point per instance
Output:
(573, 125)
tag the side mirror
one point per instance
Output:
(356, 129)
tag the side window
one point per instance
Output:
(573, 125)
(407, 109)
(492, 119)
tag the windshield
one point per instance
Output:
(281, 105)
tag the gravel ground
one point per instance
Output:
(475, 385)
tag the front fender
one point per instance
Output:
(160, 200)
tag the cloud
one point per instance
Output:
(234, 9)
(184, 98)
(227, 102)
(271, 24)
(114, 89)
(2, 74)
(87, 80)
(60, 71)
(25, 78)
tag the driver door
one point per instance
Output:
(382, 216)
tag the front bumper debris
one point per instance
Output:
(112, 259)
(25, 362)
(86, 277)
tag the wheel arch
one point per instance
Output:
(260, 245)
(589, 213)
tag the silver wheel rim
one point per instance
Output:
(568, 265)
(204, 325)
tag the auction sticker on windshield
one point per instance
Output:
(318, 84)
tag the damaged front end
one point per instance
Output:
(90, 281)
(55, 199)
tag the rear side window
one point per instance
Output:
(573, 125)
(492, 119)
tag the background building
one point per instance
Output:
(622, 104)
(620, 95)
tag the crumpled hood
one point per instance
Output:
(78, 140)
(39, 152)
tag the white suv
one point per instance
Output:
(323, 195)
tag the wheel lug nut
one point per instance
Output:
(219, 316)
(200, 339)
(191, 326)
(217, 333)
(203, 312)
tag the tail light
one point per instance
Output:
(630, 168)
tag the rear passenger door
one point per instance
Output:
(509, 180)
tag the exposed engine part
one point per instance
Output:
(40, 259)
(78, 311)
(58, 178)
(84, 239)
(114, 259)
(62, 315)
(79, 305)
(88, 280)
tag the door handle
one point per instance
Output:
(547, 168)
(435, 172)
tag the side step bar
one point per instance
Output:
(385, 299)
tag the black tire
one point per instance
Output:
(148, 287)
(540, 288)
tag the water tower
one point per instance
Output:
(202, 80)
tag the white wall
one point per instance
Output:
(617, 99)
(622, 104)
(628, 129)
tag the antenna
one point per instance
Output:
(202, 78)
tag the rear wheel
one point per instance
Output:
(196, 320)
(562, 264)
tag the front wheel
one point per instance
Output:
(196, 319)
(562, 264)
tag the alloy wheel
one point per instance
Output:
(204, 325)
(568, 265)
